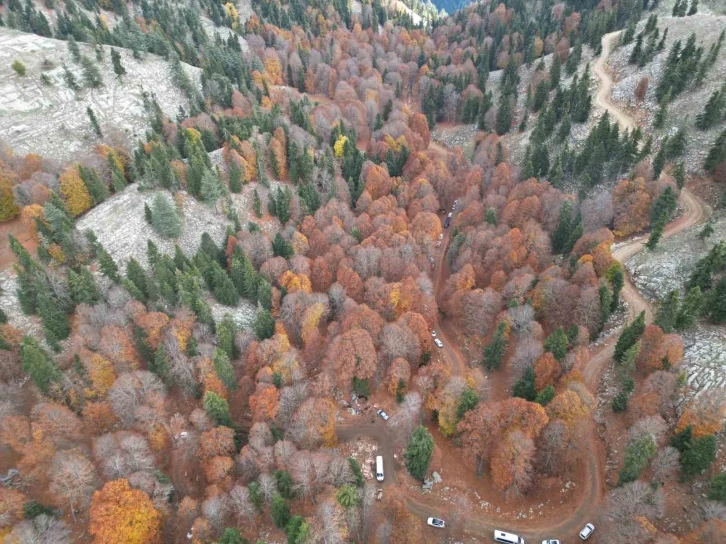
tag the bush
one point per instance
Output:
(19, 67)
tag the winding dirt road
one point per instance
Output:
(481, 525)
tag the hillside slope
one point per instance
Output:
(51, 118)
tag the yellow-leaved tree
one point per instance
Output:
(339, 145)
(74, 191)
(122, 514)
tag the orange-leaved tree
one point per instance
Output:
(122, 514)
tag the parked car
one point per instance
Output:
(447, 222)
(433, 333)
(439, 343)
(587, 531)
(436, 522)
(383, 415)
(507, 538)
(550, 542)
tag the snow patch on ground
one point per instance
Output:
(52, 120)
(121, 228)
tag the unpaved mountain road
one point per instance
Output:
(591, 502)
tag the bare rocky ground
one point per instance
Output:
(121, 228)
(684, 108)
(51, 119)
(668, 267)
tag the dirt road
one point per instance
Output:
(602, 99)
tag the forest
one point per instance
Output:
(137, 406)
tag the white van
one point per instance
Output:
(379, 468)
(507, 538)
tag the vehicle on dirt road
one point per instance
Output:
(448, 220)
(436, 522)
(439, 343)
(550, 542)
(383, 415)
(507, 538)
(587, 531)
(379, 468)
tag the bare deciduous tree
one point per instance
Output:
(408, 417)
(241, 505)
(42, 529)
(73, 479)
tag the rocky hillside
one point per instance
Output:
(39, 112)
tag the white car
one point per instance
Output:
(436, 522)
(550, 542)
(433, 333)
(383, 415)
(587, 531)
(439, 343)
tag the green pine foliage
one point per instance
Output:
(557, 344)
(107, 265)
(280, 511)
(164, 216)
(630, 335)
(83, 286)
(524, 387)
(217, 409)
(38, 364)
(417, 455)
(264, 325)
(496, 349)
(637, 455)
(224, 370)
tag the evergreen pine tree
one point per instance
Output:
(38, 364)
(226, 331)
(55, 321)
(93, 182)
(159, 364)
(118, 68)
(222, 287)
(559, 237)
(164, 216)
(496, 349)
(257, 204)
(660, 158)
(419, 450)
(83, 286)
(107, 265)
(235, 178)
(217, 409)
(94, 121)
(524, 387)
(211, 187)
(281, 247)
(223, 369)
(504, 115)
(148, 216)
(557, 343)
(136, 275)
(264, 325)
(630, 335)
(555, 71)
